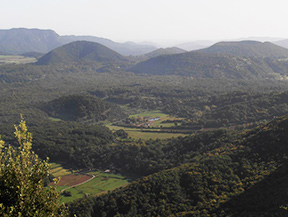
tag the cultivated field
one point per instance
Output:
(136, 133)
(16, 59)
(57, 170)
(73, 179)
(156, 129)
(91, 183)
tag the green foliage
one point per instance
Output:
(22, 177)
(83, 108)
(81, 146)
(209, 168)
(73, 144)
(100, 184)
(121, 134)
(226, 181)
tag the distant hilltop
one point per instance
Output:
(248, 48)
(80, 51)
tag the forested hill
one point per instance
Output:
(83, 108)
(80, 51)
(165, 51)
(210, 65)
(248, 49)
(246, 177)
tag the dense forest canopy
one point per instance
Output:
(227, 181)
(88, 108)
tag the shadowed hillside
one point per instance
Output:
(210, 65)
(219, 182)
(82, 108)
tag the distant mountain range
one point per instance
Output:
(223, 60)
(233, 60)
(18, 41)
(83, 51)
(282, 43)
(126, 49)
(21, 40)
(248, 48)
(195, 45)
(200, 44)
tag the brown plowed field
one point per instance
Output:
(70, 180)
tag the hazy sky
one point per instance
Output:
(150, 20)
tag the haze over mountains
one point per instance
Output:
(282, 43)
(22, 40)
(236, 60)
(164, 51)
(248, 48)
(80, 51)
(248, 59)
(18, 41)
(195, 45)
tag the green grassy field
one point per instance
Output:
(102, 183)
(137, 133)
(147, 135)
(154, 113)
(54, 119)
(16, 59)
(157, 114)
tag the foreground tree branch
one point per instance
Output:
(22, 177)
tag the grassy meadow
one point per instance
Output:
(101, 183)
(8, 59)
(155, 130)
